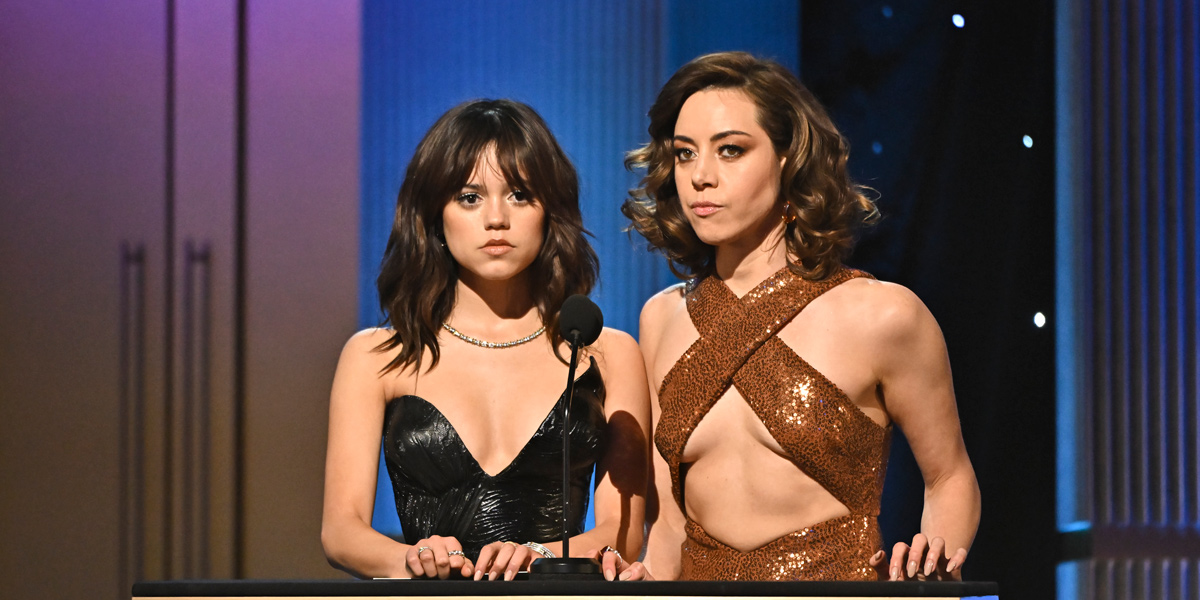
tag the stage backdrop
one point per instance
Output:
(591, 69)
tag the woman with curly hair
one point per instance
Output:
(776, 373)
(462, 383)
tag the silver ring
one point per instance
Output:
(613, 550)
(422, 549)
(455, 553)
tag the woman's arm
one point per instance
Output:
(666, 521)
(356, 407)
(913, 368)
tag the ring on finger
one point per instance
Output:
(422, 549)
(613, 550)
(455, 553)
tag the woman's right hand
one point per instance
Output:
(614, 566)
(502, 560)
(437, 557)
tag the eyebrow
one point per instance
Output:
(718, 136)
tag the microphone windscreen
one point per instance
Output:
(579, 314)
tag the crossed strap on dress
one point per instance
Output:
(738, 345)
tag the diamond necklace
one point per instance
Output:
(482, 344)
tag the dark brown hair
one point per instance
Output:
(417, 280)
(828, 207)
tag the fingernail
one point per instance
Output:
(491, 576)
(508, 575)
(623, 576)
(950, 566)
(912, 568)
(478, 575)
(609, 574)
(895, 573)
(929, 567)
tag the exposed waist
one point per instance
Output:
(835, 550)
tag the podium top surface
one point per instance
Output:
(621, 590)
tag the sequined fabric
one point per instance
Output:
(441, 489)
(834, 550)
(822, 430)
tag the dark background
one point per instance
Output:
(936, 117)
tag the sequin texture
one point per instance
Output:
(826, 435)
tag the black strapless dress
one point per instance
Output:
(441, 489)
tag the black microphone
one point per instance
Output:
(580, 322)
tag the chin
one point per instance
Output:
(712, 236)
(498, 271)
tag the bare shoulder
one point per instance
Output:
(615, 341)
(617, 350)
(362, 349)
(367, 340)
(662, 306)
(879, 309)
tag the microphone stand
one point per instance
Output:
(565, 567)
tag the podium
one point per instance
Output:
(560, 590)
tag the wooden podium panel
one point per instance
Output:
(560, 590)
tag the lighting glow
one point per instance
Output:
(1039, 320)
(958, 21)
(1028, 141)
(887, 11)
(876, 147)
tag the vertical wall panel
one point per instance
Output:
(301, 161)
(1127, 154)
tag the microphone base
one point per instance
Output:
(565, 569)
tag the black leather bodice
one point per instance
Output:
(441, 489)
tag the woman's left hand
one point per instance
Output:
(924, 560)
(503, 559)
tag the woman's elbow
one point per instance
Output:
(331, 546)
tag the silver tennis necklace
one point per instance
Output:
(482, 344)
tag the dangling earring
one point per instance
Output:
(788, 216)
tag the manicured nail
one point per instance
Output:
(478, 575)
(929, 567)
(491, 576)
(912, 568)
(895, 573)
(609, 574)
(623, 576)
(951, 566)
(508, 575)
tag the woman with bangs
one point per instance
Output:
(776, 372)
(463, 381)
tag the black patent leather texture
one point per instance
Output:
(441, 489)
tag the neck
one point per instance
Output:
(494, 309)
(744, 263)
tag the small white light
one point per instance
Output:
(1028, 141)
(876, 147)
(887, 11)
(1039, 320)
(958, 21)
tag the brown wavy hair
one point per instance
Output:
(417, 281)
(828, 207)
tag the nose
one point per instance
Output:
(496, 213)
(704, 174)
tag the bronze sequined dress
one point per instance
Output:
(826, 435)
